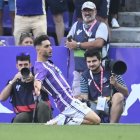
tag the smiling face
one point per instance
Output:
(93, 63)
(88, 15)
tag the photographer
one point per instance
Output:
(105, 91)
(20, 90)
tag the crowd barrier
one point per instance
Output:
(64, 60)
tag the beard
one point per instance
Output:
(88, 20)
(96, 70)
(47, 55)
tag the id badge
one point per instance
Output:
(101, 103)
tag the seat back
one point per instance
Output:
(52, 40)
(9, 40)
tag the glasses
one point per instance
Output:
(26, 34)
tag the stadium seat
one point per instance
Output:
(63, 40)
(52, 40)
(10, 40)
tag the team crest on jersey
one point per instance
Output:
(18, 87)
(89, 81)
(104, 79)
(78, 32)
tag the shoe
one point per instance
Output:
(115, 23)
(51, 122)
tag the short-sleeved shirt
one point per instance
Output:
(55, 83)
(21, 96)
(30, 7)
(79, 34)
(87, 85)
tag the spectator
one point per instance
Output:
(102, 9)
(30, 17)
(58, 7)
(50, 78)
(20, 90)
(26, 39)
(96, 84)
(113, 12)
(86, 34)
(11, 4)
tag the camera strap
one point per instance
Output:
(100, 89)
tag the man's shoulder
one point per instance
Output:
(86, 73)
(102, 25)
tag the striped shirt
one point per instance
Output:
(87, 86)
(55, 83)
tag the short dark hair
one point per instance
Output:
(92, 52)
(23, 36)
(23, 57)
(38, 40)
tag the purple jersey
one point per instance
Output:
(53, 80)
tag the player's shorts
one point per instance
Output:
(72, 115)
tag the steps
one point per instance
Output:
(129, 20)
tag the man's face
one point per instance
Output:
(23, 64)
(93, 63)
(88, 15)
(45, 49)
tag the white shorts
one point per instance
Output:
(75, 114)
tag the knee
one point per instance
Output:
(97, 120)
(117, 98)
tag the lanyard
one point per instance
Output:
(89, 30)
(100, 89)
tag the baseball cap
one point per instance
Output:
(89, 5)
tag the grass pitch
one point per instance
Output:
(83, 132)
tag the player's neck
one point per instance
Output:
(41, 59)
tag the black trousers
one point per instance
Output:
(42, 115)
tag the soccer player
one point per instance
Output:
(50, 78)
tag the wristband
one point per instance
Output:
(10, 82)
(78, 45)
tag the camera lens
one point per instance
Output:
(25, 72)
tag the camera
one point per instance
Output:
(25, 72)
(70, 38)
(117, 67)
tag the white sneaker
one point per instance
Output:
(51, 122)
(115, 23)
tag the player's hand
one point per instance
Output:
(37, 87)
